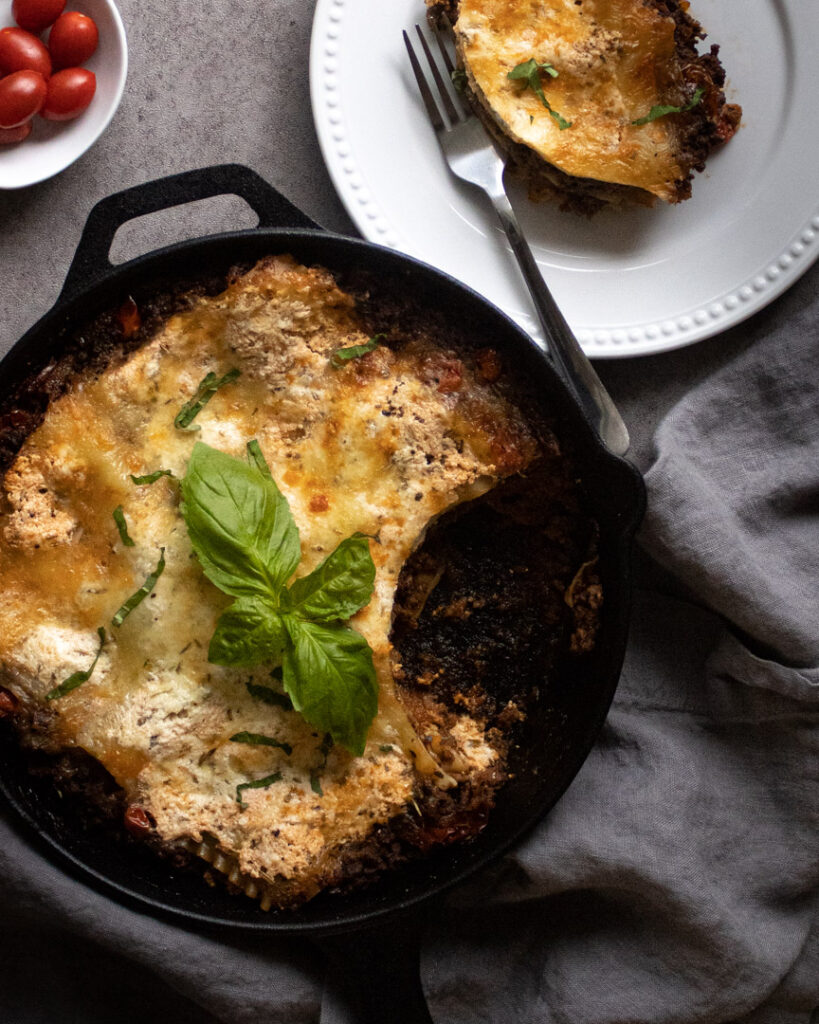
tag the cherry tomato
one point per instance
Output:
(8, 136)
(69, 93)
(22, 95)
(21, 51)
(36, 15)
(72, 40)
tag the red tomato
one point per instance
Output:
(36, 15)
(10, 135)
(69, 93)
(22, 95)
(72, 40)
(21, 51)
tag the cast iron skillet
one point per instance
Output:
(380, 962)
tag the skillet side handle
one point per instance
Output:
(374, 976)
(107, 217)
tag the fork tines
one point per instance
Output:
(453, 107)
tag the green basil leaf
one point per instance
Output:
(249, 632)
(268, 780)
(257, 739)
(256, 458)
(208, 387)
(529, 72)
(338, 587)
(268, 695)
(344, 355)
(524, 71)
(142, 593)
(122, 526)
(562, 123)
(459, 79)
(324, 749)
(77, 678)
(151, 478)
(239, 523)
(662, 111)
(329, 674)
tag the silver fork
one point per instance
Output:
(472, 157)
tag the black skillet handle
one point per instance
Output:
(374, 974)
(91, 258)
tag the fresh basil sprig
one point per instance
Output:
(208, 387)
(122, 526)
(241, 529)
(77, 678)
(662, 111)
(344, 355)
(140, 595)
(529, 72)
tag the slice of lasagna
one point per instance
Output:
(371, 425)
(595, 102)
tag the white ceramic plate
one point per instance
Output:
(630, 283)
(52, 146)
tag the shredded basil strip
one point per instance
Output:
(256, 458)
(324, 749)
(661, 111)
(142, 593)
(257, 739)
(344, 355)
(208, 387)
(269, 696)
(78, 678)
(268, 780)
(122, 526)
(529, 72)
(385, 748)
(458, 77)
(151, 478)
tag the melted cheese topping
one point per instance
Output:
(615, 60)
(381, 446)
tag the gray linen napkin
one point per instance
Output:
(676, 882)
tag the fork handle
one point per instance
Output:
(569, 359)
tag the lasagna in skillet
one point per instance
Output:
(594, 102)
(282, 566)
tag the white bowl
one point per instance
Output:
(53, 145)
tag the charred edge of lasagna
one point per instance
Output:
(712, 122)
